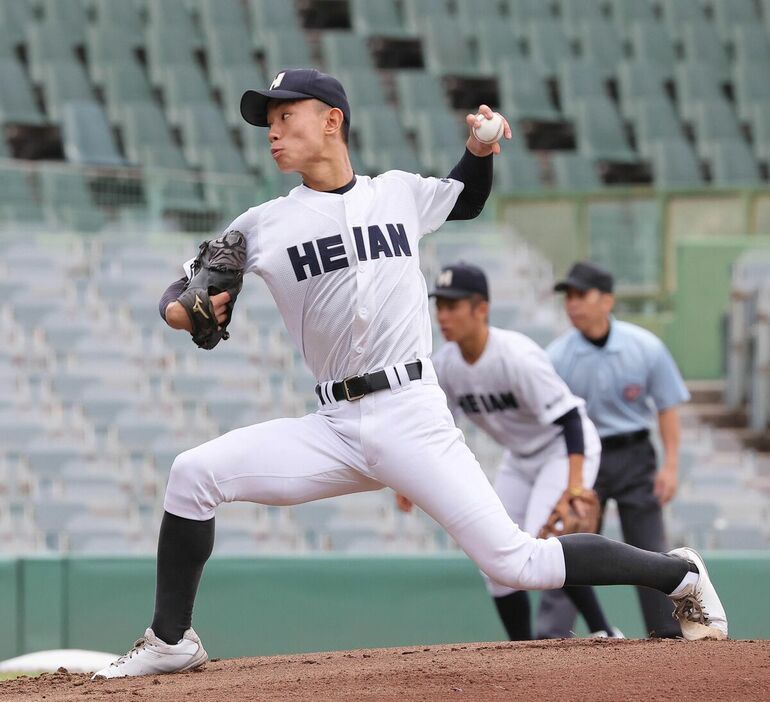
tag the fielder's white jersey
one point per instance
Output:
(344, 268)
(512, 392)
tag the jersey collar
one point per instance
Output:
(613, 344)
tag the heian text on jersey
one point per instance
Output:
(329, 254)
(487, 402)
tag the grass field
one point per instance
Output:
(11, 676)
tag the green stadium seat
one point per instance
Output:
(222, 158)
(681, 14)
(574, 12)
(17, 101)
(759, 120)
(416, 91)
(548, 46)
(524, 11)
(599, 44)
(599, 131)
(15, 17)
(445, 49)
(122, 15)
(523, 93)
(268, 16)
(15, 188)
(287, 48)
(237, 80)
(363, 87)
(228, 47)
(172, 15)
(87, 136)
(495, 42)
(695, 83)
(202, 126)
(714, 120)
(221, 14)
(578, 81)
(751, 44)
(173, 191)
(379, 18)
(516, 172)
(159, 156)
(732, 164)
(124, 84)
(167, 47)
(341, 49)
(651, 44)
(380, 133)
(64, 82)
(470, 12)
(703, 46)
(728, 14)
(575, 172)
(143, 124)
(184, 87)
(751, 87)
(439, 131)
(655, 120)
(46, 45)
(67, 195)
(7, 44)
(638, 82)
(233, 197)
(108, 46)
(624, 12)
(69, 16)
(420, 13)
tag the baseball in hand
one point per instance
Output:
(490, 131)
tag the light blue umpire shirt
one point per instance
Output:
(625, 382)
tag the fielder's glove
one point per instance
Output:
(218, 268)
(573, 514)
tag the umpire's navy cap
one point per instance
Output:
(461, 280)
(294, 84)
(585, 276)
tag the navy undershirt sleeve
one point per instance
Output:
(173, 291)
(475, 172)
(573, 431)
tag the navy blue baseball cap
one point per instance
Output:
(461, 280)
(294, 84)
(584, 276)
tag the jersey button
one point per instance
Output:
(359, 349)
(363, 312)
(360, 267)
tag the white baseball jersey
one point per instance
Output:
(512, 392)
(344, 269)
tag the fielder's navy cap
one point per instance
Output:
(584, 276)
(294, 84)
(461, 280)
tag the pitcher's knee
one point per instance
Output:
(192, 491)
(541, 569)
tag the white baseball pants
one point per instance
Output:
(404, 438)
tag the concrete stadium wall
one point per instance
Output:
(271, 605)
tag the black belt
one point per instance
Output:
(356, 386)
(620, 440)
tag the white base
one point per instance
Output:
(74, 660)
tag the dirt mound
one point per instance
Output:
(576, 669)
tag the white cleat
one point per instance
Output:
(151, 656)
(613, 633)
(698, 609)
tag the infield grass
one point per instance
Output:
(11, 676)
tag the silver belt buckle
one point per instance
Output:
(347, 392)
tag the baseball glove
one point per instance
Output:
(573, 515)
(217, 268)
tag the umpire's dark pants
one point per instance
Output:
(627, 475)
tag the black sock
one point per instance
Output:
(591, 559)
(586, 602)
(184, 546)
(514, 613)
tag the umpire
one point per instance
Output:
(622, 370)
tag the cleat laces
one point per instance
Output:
(138, 646)
(691, 609)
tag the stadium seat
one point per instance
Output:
(714, 120)
(63, 83)
(575, 172)
(376, 19)
(637, 84)
(417, 91)
(695, 84)
(228, 48)
(222, 158)
(651, 45)
(599, 131)
(166, 48)
(228, 15)
(516, 172)
(287, 48)
(234, 81)
(184, 89)
(341, 49)
(439, 132)
(524, 11)
(17, 101)
(418, 14)
(751, 87)
(702, 46)
(67, 196)
(125, 84)
(445, 50)
(202, 126)
(759, 119)
(68, 15)
(655, 120)
(624, 12)
(47, 45)
(575, 11)
(268, 16)
(15, 17)
(732, 163)
(119, 15)
(473, 11)
(674, 164)
(523, 93)
(751, 45)
(383, 144)
(108, 46)
(682, 14)
(172, 15)
(87, 136)
(580, 81)
(730, 14)
(495, 43)
(548, 45)
(599, 44)
(363, 87)
(143, 124)
(102, 404)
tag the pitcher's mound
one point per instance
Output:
(576, 669)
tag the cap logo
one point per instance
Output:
(444, 279)
(277, 81)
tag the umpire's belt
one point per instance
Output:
(621, 440)
(356, 386)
